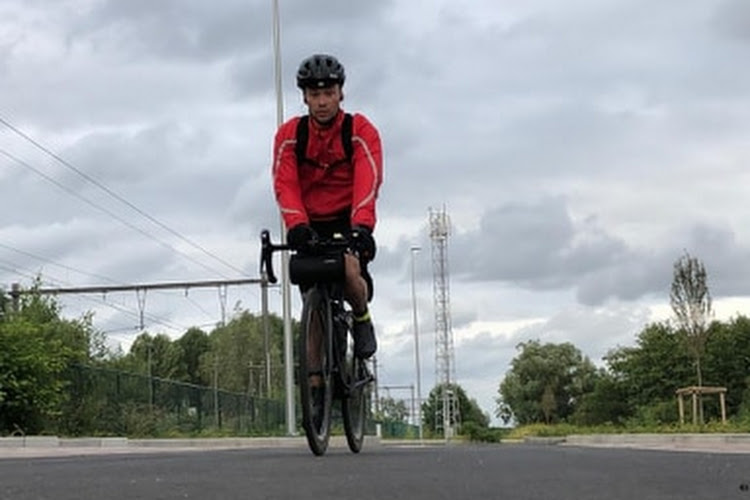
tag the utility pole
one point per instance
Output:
(378, 427)
(418, 415)
(15, 297)
(150, 375)
(266, 332)
(216, 391)
(286, 295)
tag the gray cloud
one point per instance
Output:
(579, 148)
(183, 29)
(534, 244)
(539, 246)
(732, 19)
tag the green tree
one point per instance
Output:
(648, 373)
(4, 305)
(468, 409)
(156, 356)
(545, 383)
(193, 345)
(691, 304)
(37, 350)
(392, 410)
(237, 357)
(727, 360)
(607, 403)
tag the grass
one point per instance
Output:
(559, 430)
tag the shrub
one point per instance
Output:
(478, 433)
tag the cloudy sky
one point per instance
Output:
(579, 148)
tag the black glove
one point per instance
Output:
(300, 236)
(363, 243)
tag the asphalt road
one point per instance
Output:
(417, 473)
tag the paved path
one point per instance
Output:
(50, 446)
(513, 471)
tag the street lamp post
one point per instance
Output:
(414, 250)
(286, 298)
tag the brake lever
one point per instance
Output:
(266, 253)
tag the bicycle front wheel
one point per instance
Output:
(315, 370)
(354, 406)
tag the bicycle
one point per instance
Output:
(330, 356)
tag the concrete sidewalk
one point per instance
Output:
(714, 443)
(53, 446)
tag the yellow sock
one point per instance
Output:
(365, 317)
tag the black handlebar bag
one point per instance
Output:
(307, 270)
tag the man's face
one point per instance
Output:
(323, 104)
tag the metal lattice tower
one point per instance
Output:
(447, 415)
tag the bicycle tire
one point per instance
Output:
(316, 422)
(354, 404)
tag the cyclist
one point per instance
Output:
(325, 189)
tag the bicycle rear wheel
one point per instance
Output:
(315, 373)
(354, 405)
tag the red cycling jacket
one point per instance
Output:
(328, 187)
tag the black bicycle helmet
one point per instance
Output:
(320, 70)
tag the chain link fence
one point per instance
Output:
(104, 401)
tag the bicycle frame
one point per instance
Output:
(342, 376)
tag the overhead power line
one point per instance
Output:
(104, 210)
(138, 315)
(16, 291)
(114, 195)
(12, 268)
(145, 286)
(56, 264)
(54, 283)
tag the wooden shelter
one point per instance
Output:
(694, 391)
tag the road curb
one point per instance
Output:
(121, 443)
(614, 439)
(544, 440)
(725, 443)
(30, 442)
